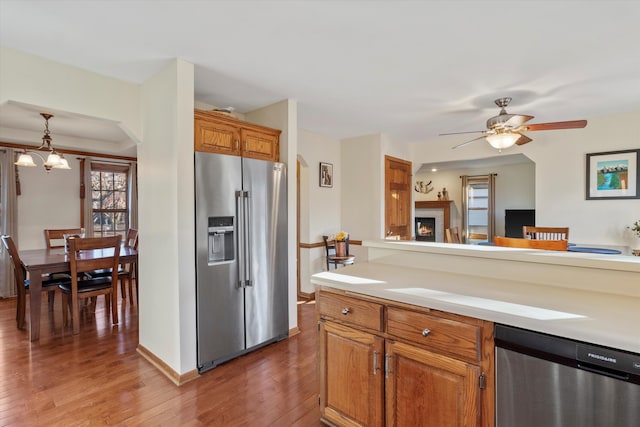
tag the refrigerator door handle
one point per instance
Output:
(247, 240)
(240, 245)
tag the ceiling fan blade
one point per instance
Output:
(460, 133)
(571, 124)
(517, 120)
(523, 140)
(468, 142)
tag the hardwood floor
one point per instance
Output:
(97, 378)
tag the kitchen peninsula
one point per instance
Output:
(438, 302)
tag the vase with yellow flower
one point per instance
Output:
(341, 244)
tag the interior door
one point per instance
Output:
(397, 199)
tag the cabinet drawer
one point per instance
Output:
(351, 310)
(435, 333)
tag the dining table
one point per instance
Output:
(39, 262)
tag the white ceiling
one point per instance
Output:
(410, 69)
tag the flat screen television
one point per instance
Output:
(514, 219)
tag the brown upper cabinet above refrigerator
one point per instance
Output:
(218, 133)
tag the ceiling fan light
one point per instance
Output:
(500, 141)
(25, 160)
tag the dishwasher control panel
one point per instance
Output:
(608, 358)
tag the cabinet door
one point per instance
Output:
(260, 145)
(351, 376)
(428, 389)
(216, 137)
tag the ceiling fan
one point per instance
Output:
(505, 130)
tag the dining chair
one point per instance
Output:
(80, 288)
(512, 242)
(452, 235)
(54, 238)
(545, 233)
(126, 272)
(332, 257)
(22, 284)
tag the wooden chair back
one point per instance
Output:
(452, 235)
(332, 257)
(550, 245)
(131, 241)
(130, 271)
(49, 285)
(545, 233)
(81, 263)
(20, 276)
(54, 238)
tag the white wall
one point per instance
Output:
(515, 189)
(324, 203)
(320, 207)
(559, 158)
(33, 80)
(363, 163)
(363, 190)
(166, 218)
(560, 181)
(47, 200)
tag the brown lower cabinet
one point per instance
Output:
(387, 363)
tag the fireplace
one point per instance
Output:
(438, 209)
(425, 229)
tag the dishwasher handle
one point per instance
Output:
(604, 371)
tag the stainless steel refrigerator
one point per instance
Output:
(241, 256)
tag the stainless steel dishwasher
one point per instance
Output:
(544, 380)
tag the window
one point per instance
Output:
(478, 208)
(109, 196)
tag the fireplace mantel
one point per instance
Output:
(438, 204)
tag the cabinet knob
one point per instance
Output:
(426, 332)
(345, 311)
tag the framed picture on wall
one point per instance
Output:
(326, 174)
(613, 175)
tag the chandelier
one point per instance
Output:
(54, 160)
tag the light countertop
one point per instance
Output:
(577, 259)
(609, 319)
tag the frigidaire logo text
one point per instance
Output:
(603, 358)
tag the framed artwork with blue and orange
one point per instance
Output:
(613, 175)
